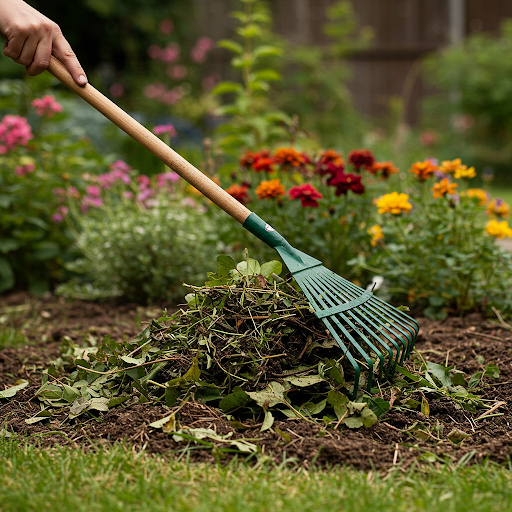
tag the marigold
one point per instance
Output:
(239, 192)
(361, 158)
(394, 203)
(498, 229)
(289, 157)
(269, 189)
(450, 166)
(345, 182)
(263, 164)
(423, 170)
(477, 193)
(443, 188)
(307, 193)
(384, 169)
(328, 162)
(499, 208)
(463, 172)
(376, 233)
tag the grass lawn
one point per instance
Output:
(33, 478)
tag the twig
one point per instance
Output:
(500, 318)
(392, 427)
(395, 457)
(484, 335)
(491, 410)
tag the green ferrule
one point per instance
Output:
(264, 231)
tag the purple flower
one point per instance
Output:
(165, 128)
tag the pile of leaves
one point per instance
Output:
(248, 345)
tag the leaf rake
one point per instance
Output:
(370, 332)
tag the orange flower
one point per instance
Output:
(450, 166)
(289, 157)
(423, 170)
(239, 192)
(476, 193)
(385, 169)
(499, 208)
(269, 189)
(443, 187)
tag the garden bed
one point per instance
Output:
(398, 438)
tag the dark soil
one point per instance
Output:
(468, 343)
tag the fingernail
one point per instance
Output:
(82, 80)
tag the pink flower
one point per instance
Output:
(73, 192)
(189, 202)
(198, 55)
(46, 106)
(205, 44)
(154, 51)
(91, 201)
(63, 209)
(177, 72)
(173, 96)
(60, 193)
(120, 165)
(166, 26)
(167, 177)
(14, 131)
(116, 90)
(170, 54)
(22, 170)
(155, 90)
(307, 193)
(93, 191)
(209, 82)
(57, 217)
(127, 194)
(165, 128)
(144, 181)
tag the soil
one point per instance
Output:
(468, 343)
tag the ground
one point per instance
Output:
(468, 343)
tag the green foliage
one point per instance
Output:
(143, 254)
(251, 121)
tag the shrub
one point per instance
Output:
(140, 237)
(435, 245)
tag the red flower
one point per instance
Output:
(345, 182)
(239, 192)
(247, 160)
(307, 193)
(263, 164)
(330, 162)
(361, 158)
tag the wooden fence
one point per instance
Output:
(405, 31)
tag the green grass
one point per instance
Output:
(115, 479)
(10, 337)
(502, 193)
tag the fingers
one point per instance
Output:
(62, 50)
(41, 57)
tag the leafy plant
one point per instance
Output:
(251, 121)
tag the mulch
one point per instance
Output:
(468, 343)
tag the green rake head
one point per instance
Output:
(372, 334)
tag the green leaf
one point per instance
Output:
(353, 421)
(227, 88)
(272, 395)
(267, 51)
(232, 46)
(492, 371)
(407, 373)
(457, 436)
(368, 417)
(267, 75)
(40, 416)
(8, 245)
(267, 422)
(226, 261)
(271, 267)
(379, 406)
(441, 373)
(303, 382)
(250, 267)
(10, 392)
(339, 403)
(70, 394)
(436, 301)
(237, 398)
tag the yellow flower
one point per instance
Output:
(394, 203)
(376, 234)
(443, 187)
(498, 229)
(450, 166)
(498, 207)
(463, 172)
(476, 193)
(269, 189)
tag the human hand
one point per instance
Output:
(32, 38)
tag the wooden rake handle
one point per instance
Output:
(152, 143)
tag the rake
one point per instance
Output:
(371, 333)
